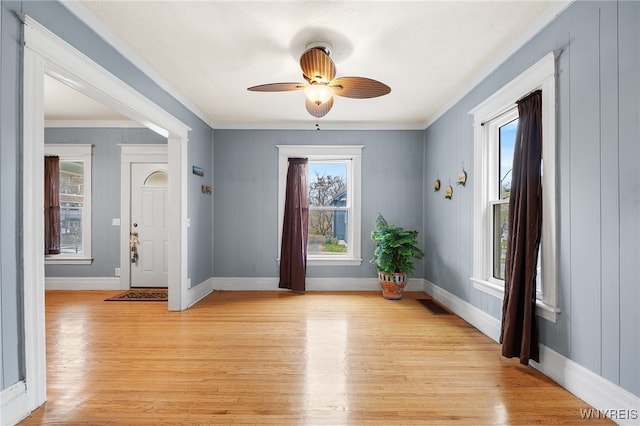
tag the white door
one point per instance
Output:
(149, 225)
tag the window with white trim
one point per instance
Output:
(334, 201)
(495, 122)
(75, 203)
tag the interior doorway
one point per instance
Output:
(45, 53)
(149, 227)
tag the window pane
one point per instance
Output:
(159, 179)
(71, 177)
(327, 184)
(70, 229)
(327, 232)
(327, 226)
(500, 234)
(71, 206)
(507, 143)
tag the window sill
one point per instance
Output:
(67, 260)
(488, 287)
(548, 312)
(543, 310)
(331, 261)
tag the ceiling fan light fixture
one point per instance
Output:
(319, 72)
(318, 93)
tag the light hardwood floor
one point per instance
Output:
(277, 358)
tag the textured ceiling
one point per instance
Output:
(208, 52)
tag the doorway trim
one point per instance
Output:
(46, 53)
(130, 154)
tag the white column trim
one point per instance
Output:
(33, 228)
(178, 214)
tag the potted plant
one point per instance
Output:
(396, 248)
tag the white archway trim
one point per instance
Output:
(70, 66)
(45, 53)
(107, 34)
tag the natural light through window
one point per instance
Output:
(334, 201)
(75, 203)
(71, 206)
(500, 206)
(328, 208)
(495, 125)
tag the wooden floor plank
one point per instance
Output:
(277, 358)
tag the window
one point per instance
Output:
(495, 123)
(334, 201)
(75, 203)
(503, 135)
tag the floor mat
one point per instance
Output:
(142, 295)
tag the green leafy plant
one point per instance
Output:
(396, 248)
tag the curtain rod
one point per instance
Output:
(498, 115)
(510, 109)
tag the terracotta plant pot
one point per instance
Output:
(392, 285)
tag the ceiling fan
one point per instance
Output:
(319, 71)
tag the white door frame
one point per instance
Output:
(132, 154)
(45, 53)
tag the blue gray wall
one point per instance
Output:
(598, 188)
(105, 190)
(60, 21)
(246, 194)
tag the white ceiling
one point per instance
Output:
(206, 54)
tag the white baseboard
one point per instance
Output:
(478, 318)
(83, 283)
(312, 284)
(199, 292)
(609, 399)
(245, 284)
(230, 283)
(194, 294)
(13, 404)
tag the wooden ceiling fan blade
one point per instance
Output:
(277, 87)
(359, 87)
(317, 66)
(321, 110)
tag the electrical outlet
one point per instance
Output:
(117, 272)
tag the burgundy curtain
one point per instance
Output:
(51, 205)
(293, 254)
(519, 334)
